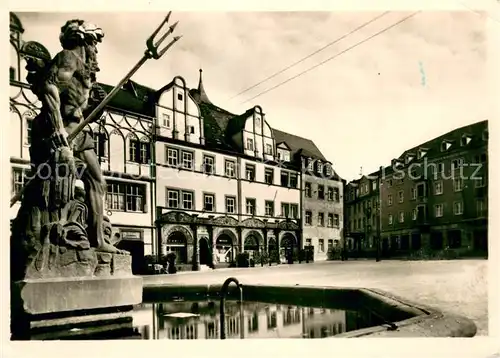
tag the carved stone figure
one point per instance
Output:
(52, 210)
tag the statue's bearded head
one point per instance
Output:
(78, 33)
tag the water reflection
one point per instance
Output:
(200, 320)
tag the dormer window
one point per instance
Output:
(310, 164)
(319, 166)
(328, 169)
(409, 158)
(422, 153)
(445, 145)
(465, 140)
(179, 96)
(397, 164)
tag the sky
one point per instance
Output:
(414, 82)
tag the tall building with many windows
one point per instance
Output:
(183, 175)
(362, 219)
(433, 197)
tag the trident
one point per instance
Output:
(152, 51)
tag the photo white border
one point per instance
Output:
(411, 347)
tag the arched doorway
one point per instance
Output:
(177, 243)
(288, 244)
(252, 244)
(225, 247)
(205, 252)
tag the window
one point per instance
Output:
(438, 210)
(480, 181)
(172, 199)
(191, 129)
(390, 219)
(18, 178)
(440, 168)
(172, 157)
(250, 172)
(336, 195)
(139, 152)
(269, 175)
(458, 208)
(458, 184)
(208, 164)
(308, 190)
(321, 245)
(457, 163)
(413, 193)
(374, 185)
(414, 214)
(180, 199)
(257, 123)
(336, 220)
(285, 210)
(187, 200)
(250, 144)
(250, 206)
(179, 96)
(310, 164)
(330, 194)
(401, 217)
(269, 208)
(100, 147)
(308, 218)
(209, 202)
(438, 188)
(319, 165)
(465, 140)
(330, 244)
(328, 170)
(230, 168)
(481, 207)
(230, 204)
(294, 211)
(330, 220)
(12, 73)
(321, 219)
(421, 190)
(121, 196)
(166, 120)
(401, 196)
(29, 128)
(269, 149)
(445, 145)
(389, 199)
(187, 160)
(284, 178)
(293, 180)
(321, 192)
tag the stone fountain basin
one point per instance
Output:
(412, 319)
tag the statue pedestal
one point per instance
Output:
(65, 308)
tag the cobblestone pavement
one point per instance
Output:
(459, 287)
